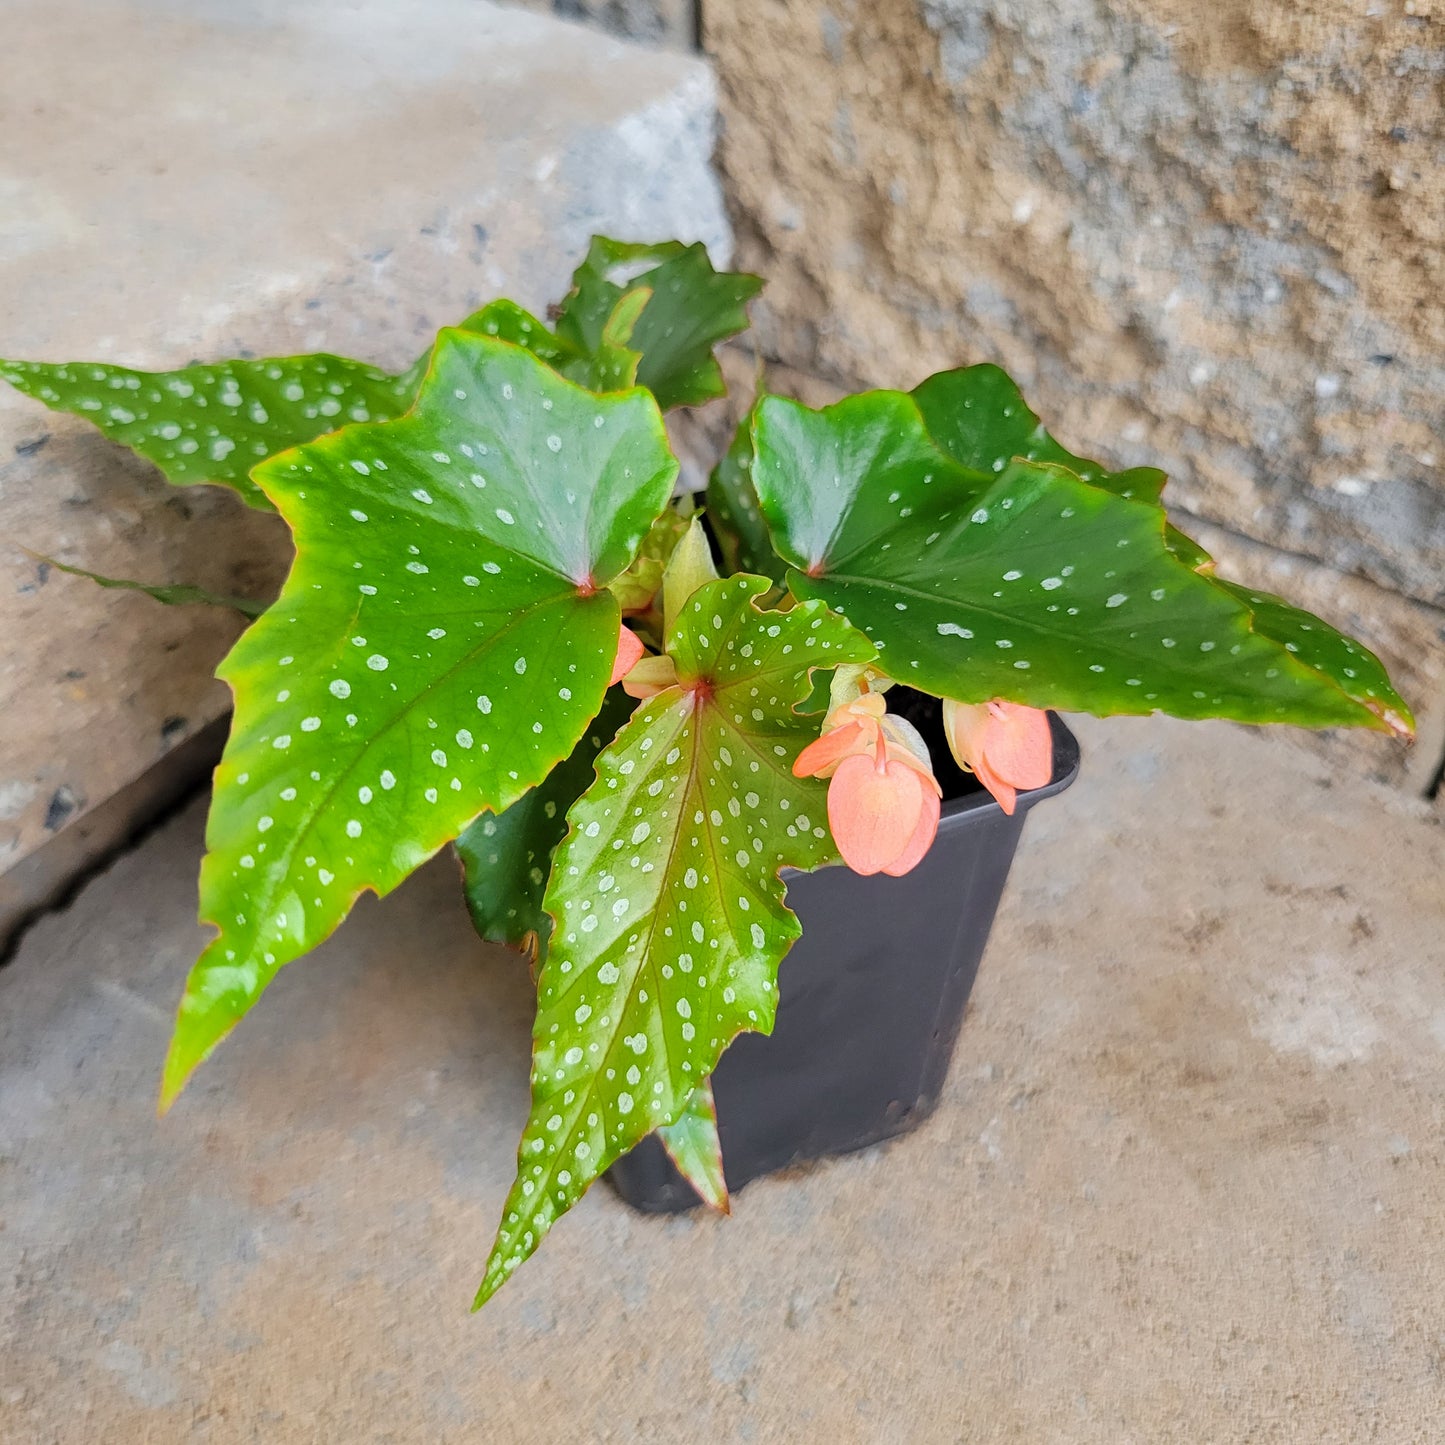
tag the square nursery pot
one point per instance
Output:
(870, 998)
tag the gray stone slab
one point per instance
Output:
(189, 182)
(1186, 1181)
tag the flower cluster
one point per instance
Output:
(883, 799)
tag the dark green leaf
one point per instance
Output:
(978, 417)
(1354, 669)
(609, 366)
(506, 857)
(442, 642)
(667, 895)
(692, 308)
(1028, 584)
(732, 509)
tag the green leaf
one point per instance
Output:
(1353, 668)
(693, 1146)
(176, 594)
(609, 366)
(636, 587)
(667, 896)
(692, 308)
(506, 856)
(442, 642)
(213, 423)
(1027, 584)
(690, 567)
(732, 509)
(978, 418)
(509, 322)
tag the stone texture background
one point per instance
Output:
(1211, 237)
(1185, 1186)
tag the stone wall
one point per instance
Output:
(1211, 237)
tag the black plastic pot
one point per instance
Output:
(870, 1001)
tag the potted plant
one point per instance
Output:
(649, 723)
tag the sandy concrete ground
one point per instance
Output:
(1187, 1182)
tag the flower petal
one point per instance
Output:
(825, 753)
(963, 726)
(1019, 745)
(629, 654)
(922, 839)
(1004, 792)
(874, 812)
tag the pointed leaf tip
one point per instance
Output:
(430, 656)
(632, 1012)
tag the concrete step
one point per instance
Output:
(1186, 1181)
(183, 183)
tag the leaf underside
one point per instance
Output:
(442, 642)
(734, 513)
(667, 895)
(1028, 583)
(506, 856)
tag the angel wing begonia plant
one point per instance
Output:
(502, 631)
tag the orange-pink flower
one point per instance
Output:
(1006, 744)
(883, 799)
(629, 654)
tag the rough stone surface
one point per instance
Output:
(182, 183)
(1187, 1181)
(1204, 235)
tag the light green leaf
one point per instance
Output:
(213, 423)
(689, 567)
(692, 308)
(693, 1146)
(732, 509)
(176, 594)
(636, 587)
(667, 896)
(1028, 584)
(506, 857)
(442, 642)
(609, 366)
(978, 418)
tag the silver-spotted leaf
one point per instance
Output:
(214, 422)
(442, 642)
(692, 1144)
(609, 366)
(507, 856)
(667, 896)
(1027, 584)
(978, 417)
(691, 309)
(1352, 666)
